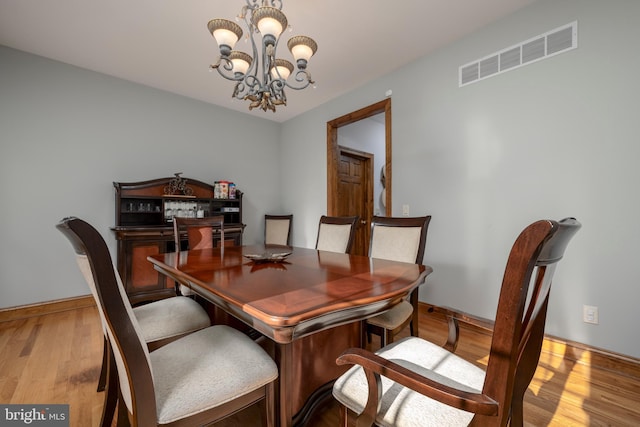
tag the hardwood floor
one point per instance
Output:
(52, 359)
(55, 358)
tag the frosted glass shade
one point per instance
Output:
(226, 33)
(241, 61)
(269, 20)
(284, 67)
(302, 48)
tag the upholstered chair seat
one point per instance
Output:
(401, 406)
(392, 319)
(170, 317)
(206, 369)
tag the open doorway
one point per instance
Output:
(342, 186)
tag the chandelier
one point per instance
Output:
(261, 78)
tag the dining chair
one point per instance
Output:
(198, 379)
(336, 233)
(200, 235)
(199, 231)
(416, 382)
(277, 229)
(398, 239)
(161, 321)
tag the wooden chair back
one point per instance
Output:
(126, 341)
(277, 229)
(521, 315)
(199, 231)
(336, 233)
(399, 238)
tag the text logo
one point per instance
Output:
(34, 415)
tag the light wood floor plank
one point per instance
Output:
(55, 358)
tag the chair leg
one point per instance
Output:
(102, 381)
(123, 413)
(344, 416)
(268, 406)
(517, 412)
(413, 327)
(110, 388)
(415, 316)
(386, 338)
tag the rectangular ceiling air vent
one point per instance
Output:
(540, 47)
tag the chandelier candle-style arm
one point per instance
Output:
(261, 78)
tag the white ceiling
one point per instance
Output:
(165, 44)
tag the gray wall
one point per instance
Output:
(552, 139)
(67, 133)
(556, 138)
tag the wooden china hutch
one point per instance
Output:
(144, 226)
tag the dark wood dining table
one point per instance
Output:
(310, 306)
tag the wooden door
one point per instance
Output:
(355, 193)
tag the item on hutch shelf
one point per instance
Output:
(181, 209)
(217, 190)
(168, 211)
(224, 190)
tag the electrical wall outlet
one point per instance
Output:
(405, 210)
(590, 314)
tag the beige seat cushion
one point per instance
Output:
(393, 318)
(170, 317)
(402, 407)
(206, 369)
